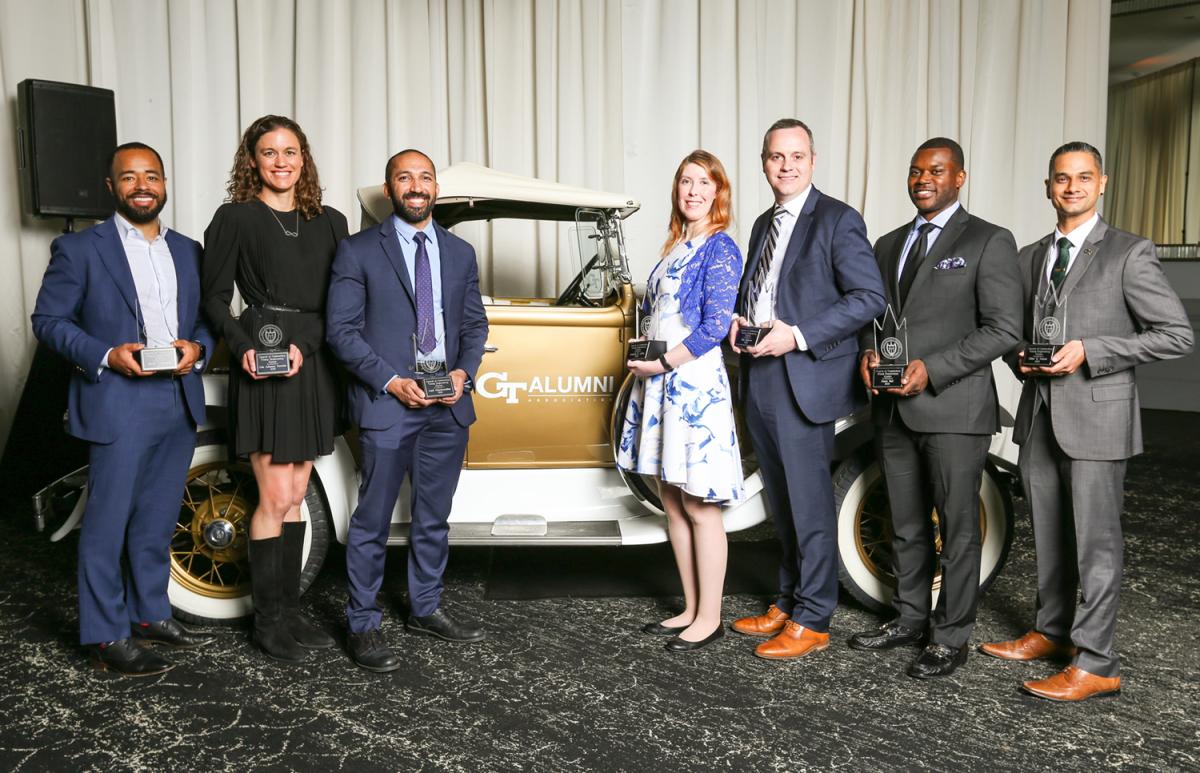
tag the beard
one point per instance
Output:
(141, 215)
(414, 210)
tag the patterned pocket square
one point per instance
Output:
(949, 264)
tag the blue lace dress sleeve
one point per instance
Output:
(721, 272)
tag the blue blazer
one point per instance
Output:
(371, 315)
(829, 287)
(88, 304)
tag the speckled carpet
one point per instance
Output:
(570, 683)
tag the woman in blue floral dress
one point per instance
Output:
(679, 425)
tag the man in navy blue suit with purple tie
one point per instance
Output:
(403, 301)
(114, 296)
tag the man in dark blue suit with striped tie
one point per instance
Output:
(812, 282)
(404, 299)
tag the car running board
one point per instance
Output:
(505, 532)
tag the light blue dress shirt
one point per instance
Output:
(154, 280)
(406, 235)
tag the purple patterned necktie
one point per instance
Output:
(426, 337)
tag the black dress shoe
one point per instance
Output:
(126, 658)
(683, 645)
(370, 651)
(658, 629)
(441, 625)
(885, 637)
(937, 660)
(170, 633)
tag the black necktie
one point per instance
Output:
(1059, 272)
(916, 254)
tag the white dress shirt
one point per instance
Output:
(762, 309)
(1077, 238)
(939, 222)
(154, 280)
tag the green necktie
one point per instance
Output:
(1059, 272)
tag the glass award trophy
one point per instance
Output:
(1049, 330)
(157, 359)
(271, 357)
(432, 378)
(646, 349)
(892, 351)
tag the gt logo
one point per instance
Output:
(494, 385)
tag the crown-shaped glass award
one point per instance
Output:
(647, 348)
(431, 374)
(1049, 329)
(892, 349)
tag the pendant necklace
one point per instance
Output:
(286, 232)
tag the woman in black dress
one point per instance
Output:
(276, 242)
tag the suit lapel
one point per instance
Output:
(1083, 259)
(799, 233)
(891, 269)
(757, 235)
(945, 241)
(391, 248)
(185, 291)
(450, 277)
(112, 255)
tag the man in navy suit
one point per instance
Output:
(812, 282)
(110, 291)
(404, 297)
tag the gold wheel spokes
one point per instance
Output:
(209, 545)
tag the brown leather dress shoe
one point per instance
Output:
(767, 624)
(1073, 684)
(1031, 646)
(795, 641)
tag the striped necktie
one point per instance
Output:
(763, 269)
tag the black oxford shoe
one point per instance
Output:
(887, 636)
(937, 660)
(441, 625)
(370, 651)
(126, 658)
(170, 633)
(683, 645)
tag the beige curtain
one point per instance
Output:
(1153, 128)
(607, 94)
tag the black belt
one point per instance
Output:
(273, 307)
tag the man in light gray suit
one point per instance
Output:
(952, 278)
(1079, 421)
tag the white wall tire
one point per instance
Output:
(864, 531)
(210, 581)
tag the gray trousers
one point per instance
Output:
(1076, 507)
(926, 471)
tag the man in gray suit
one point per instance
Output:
(1079, 421)
(952, 279)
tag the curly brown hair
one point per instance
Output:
(244, 183)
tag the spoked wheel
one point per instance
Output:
(210, 573)
(865, 531)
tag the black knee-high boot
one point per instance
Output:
(270, 626)
(291, 564)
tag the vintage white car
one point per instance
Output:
(550, 391)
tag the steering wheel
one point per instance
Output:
(574, 295)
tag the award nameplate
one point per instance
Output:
(892, 350)
(648, 348)
(433, 380)
(272, 358)
(1049, 330)
(159, 358)
(749, 335)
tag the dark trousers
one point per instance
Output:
(135, 485)
(794, 459)
(926, 471)
(1076, 507)
(428, 445)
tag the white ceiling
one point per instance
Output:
(1145, 41)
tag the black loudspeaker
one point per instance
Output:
(65, 133)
